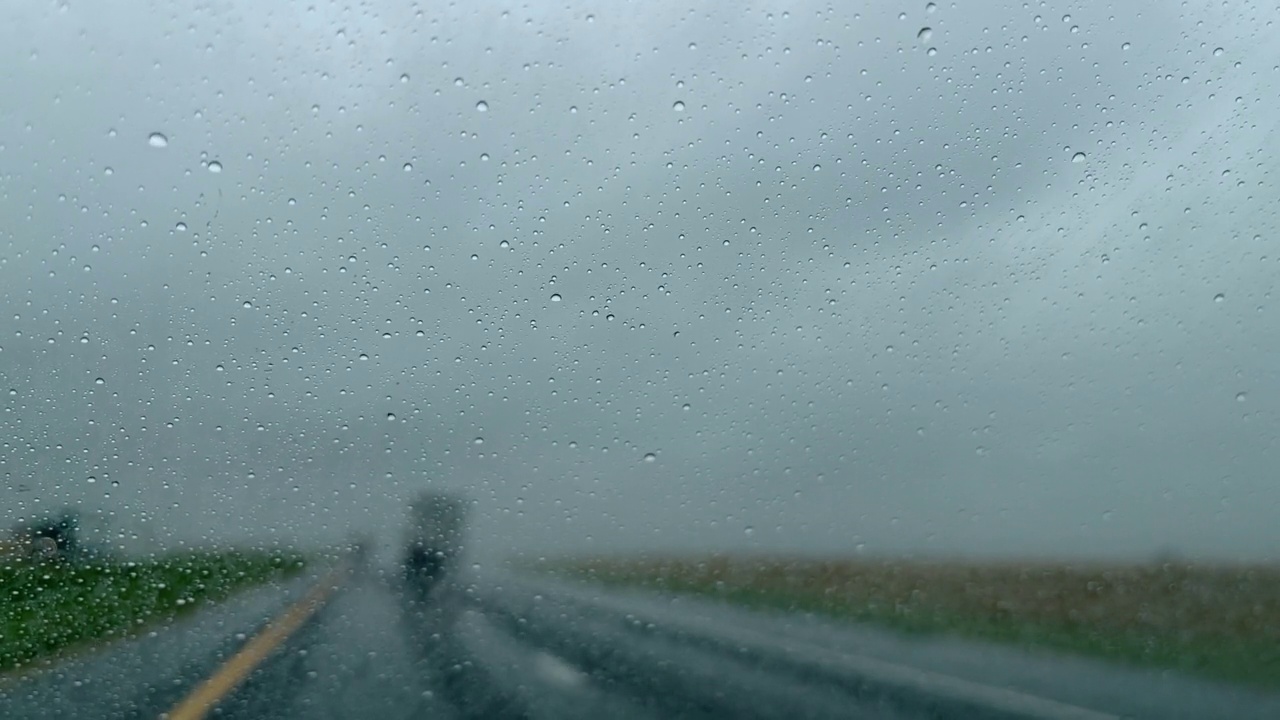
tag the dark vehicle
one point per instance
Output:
(434, 542)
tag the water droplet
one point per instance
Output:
(679, 106)
(555, 297)
(650, 457)
(478, 441)
(157, 140)
(391, 417)
(931, 7)
(1241, 397)
(180, 227)
(482, 106)
(215, 166)
(247, 304)
(404, 78)
(363, 356)
(817, 168)
(99, 381)
(108, 171)
(1217, 52)
(925, 34)
(408, 167)
(1077, 158)
(1219, 298)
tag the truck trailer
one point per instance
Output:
(434, 543)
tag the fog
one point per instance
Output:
(990, 281)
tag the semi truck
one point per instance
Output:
(434, 542)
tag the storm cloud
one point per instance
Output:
(937, 279)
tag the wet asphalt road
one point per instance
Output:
(519, 647)
(383, 650)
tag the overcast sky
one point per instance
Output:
(979, 278)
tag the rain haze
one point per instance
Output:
(812, 278)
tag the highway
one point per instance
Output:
(355, 642)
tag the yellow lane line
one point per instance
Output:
(220, 684)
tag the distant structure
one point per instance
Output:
(59, 534)
(55, 537)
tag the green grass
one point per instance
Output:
(1214, 621)
(47, 608)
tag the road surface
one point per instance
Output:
(355, 643)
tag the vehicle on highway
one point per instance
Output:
(434, 537)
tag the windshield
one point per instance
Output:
(639, 360)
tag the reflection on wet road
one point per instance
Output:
(355, 660)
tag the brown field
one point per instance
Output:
(1221, 621)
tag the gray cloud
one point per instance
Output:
(849, 294)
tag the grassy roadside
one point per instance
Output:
(47, 608)
(1221, 622)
